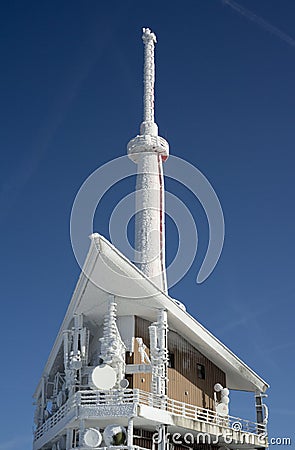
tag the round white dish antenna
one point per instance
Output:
(104, 377)
(124, 383)
(218, 387)
(92, 438)
(114, 435)
(222, 409)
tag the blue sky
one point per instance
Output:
(71, 98)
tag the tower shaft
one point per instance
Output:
(149, 220)
(148, 151)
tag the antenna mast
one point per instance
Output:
(148, 125)
(148, 151)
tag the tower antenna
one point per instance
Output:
(148, 151)
(148, 125)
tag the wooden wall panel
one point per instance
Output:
(184, 384)
(143, 438)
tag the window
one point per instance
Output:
(201, 371)
(171, 360)
(129, 358)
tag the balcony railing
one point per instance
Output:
(138, 397)
(55, 418)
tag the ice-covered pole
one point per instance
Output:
(148, 125)
(148, 151)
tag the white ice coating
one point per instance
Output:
(112, 347)
(149, 40)
(149, 220)
(148, 150)
(159, 353)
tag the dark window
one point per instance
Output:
(171, 360)
(201, 371)
(130, 381)
(129, 358)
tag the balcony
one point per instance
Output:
(148, 409)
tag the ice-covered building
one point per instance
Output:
(130, 367)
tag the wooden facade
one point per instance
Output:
(143, 438)
(192, 376)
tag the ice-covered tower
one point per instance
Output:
(148, 150)
(116, 378)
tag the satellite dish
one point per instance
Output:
(92, 437)
(218, 387)
(222, 409)
(114, 435)
(104, 377)
(124, 383)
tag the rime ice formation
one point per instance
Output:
(112, 347)
(116, 377)
(148, 151)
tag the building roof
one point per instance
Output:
(108, 272)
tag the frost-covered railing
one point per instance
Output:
(136, 396)
(173, 406)
(111, 397)
(207, 415)
(55, 418)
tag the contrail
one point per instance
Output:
(260, 22)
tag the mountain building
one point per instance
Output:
(130, 367)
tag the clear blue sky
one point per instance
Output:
(71, 98)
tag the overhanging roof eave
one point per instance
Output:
(196, 333)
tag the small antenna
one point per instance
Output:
(149, 40)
